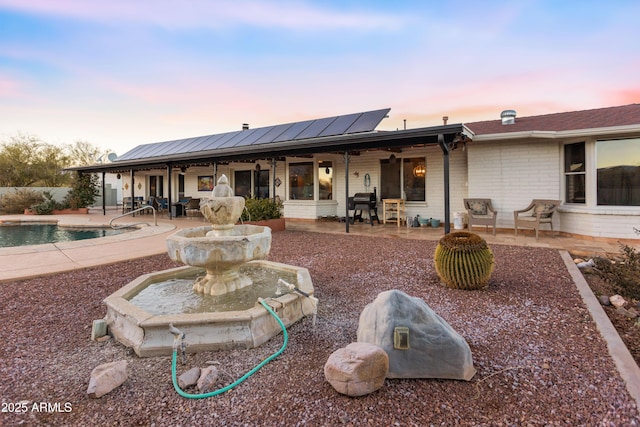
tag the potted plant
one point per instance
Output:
(265, 212)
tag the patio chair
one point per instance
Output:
(192, 208)
(481, 212)
(538, 212)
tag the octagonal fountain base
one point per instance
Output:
(148, 333)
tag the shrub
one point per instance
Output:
(47, 206)
(83, 193)
(464, 261)
(261, 209)
(19, 200)
(623, 273)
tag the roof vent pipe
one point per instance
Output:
(245, 126)
(445, 119)
(508, 117)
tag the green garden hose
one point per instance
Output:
(240, 380)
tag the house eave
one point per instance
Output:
(609, 132)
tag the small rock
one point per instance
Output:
(189, 378)
(631, 314)
(358, 369)
(208, 379)
(106, 377)
(604, 300)
(578, 260)
(617, 301)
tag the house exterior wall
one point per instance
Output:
(512, 173)
(368, 163)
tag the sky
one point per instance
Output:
(121, 73)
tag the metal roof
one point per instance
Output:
(325, 127)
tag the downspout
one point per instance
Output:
(447, 213)
(346, 190)
(104, 196)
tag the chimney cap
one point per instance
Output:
(508, 117)
(245, 126)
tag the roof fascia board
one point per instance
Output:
(577, 133)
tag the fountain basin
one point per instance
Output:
(148, 334)
(221, 255)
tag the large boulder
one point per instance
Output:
(357, 369)
(426, 345)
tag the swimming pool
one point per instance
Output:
(37, 234)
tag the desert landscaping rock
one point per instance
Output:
(106, 377)
(357, 369)
(189, 378)
(604, 300)
(433, 349)
(617, 301)
(539, 356)
(208, 379)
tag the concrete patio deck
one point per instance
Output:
(32, 261)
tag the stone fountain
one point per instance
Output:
(214, 299)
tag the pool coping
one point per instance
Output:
(22, 262)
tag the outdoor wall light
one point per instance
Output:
(419, 171)
(401, 338)
(257, 167)
(392, 159)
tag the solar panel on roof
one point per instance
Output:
(340, 125)
(328, 126)
(293, 131)
(259, 132)
(368, 121)
(315, 128)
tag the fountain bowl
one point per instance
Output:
(148, 334)
(221, 254)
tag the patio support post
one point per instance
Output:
(273, 177)
(104, 196)
(447, 213)
(169, 170)
(346, 190)
(215, 173)
(133, 192)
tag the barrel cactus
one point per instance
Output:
(464, 261)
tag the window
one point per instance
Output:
(301, 181)
(618, 165)
(390, 178)
(413, 172)
(325, 180)
(242, 183)
(262, 184)
(574, 173)
(156, 186)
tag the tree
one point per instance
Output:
(18, 161)
(26, 161)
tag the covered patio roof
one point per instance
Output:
(339, 134)
(348, 134)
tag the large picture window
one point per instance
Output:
(574, 173)
(618, 165)
(242, 183)
(325, 180)
(407, 174)
(301, 181)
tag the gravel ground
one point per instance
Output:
(539, 357)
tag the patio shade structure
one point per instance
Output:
(344, 134)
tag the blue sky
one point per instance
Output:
(121, 73)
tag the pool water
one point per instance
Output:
(37, 234)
